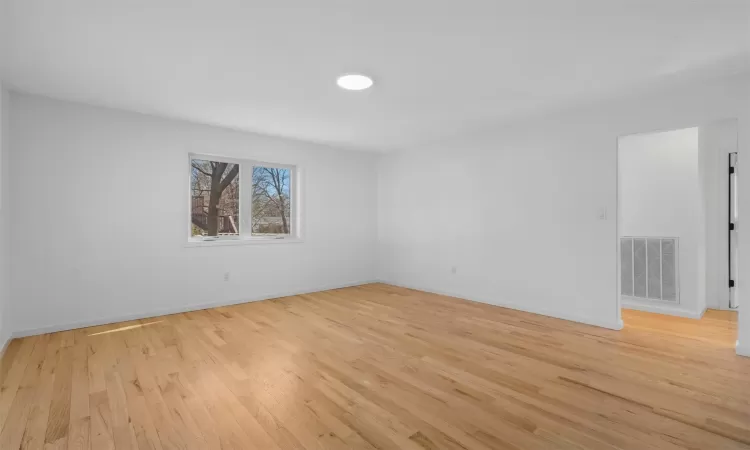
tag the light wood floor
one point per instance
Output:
(378, 367)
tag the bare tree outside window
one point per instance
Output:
(271, 201)
(215, 189)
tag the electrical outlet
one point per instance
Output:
(226, 276)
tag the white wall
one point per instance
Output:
(5, 321)
(516, 209)
(660, 195)
(98, 230)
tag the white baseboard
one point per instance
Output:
(661, 308)
(742, 350)
(5, 339)
(176, 310)
(612, 325)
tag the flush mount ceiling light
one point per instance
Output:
(354, 82)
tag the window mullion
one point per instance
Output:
(246, 198)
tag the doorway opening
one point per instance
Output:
(678, 222)
(732, 234)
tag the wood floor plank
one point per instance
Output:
(378, 367)
(27, 399)
(58, 422)
(36, 425)
(79, 428)
(13, 366)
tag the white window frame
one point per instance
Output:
(246, 197)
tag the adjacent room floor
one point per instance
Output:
(378, 367)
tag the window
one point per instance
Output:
(242, 200)
(271, 201)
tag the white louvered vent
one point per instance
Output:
(648, 268)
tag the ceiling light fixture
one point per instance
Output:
(354, 82)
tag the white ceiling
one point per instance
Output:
(440, 66)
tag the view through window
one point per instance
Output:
(215, 190)
(271, 201)
(240, 199)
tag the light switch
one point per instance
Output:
(601, 213)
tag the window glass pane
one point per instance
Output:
(272, 201)
(215, 190)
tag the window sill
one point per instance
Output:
(240, 241)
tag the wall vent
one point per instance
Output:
(648, 268)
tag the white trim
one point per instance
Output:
(5, 339)
(731, 301)
(217, 158)
(742, 350)
(177, 310)
(618, 325)
(618, 248)
(241, 241)
(659, 307)
(615, 325)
